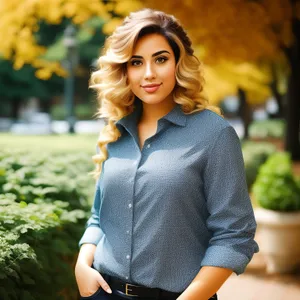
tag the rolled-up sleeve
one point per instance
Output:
(93, 232)
(231, 218)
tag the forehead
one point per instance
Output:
(151, 43)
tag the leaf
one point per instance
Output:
(23, 204)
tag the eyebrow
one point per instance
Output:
(153, 55)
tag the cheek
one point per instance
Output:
(169, 71)
(133, 76)
(170, 75)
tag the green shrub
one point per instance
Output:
(63, 177)
(276, 187)
(85, 111)
(82, 111)
(44, 204)
(255, 154)
(58, 112)
(273, 128)
(38, 243)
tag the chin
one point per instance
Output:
(152, 102)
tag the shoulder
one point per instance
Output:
(213, 133)
(208, 122)
(207, 129)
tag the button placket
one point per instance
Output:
(128, 231)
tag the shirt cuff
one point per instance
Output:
(224, 257)
(92, 235)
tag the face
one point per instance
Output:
(151, 70)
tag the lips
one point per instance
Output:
(151, 88)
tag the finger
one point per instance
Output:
(104, 285)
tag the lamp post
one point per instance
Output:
(70, 43)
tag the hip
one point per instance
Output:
(122, 290)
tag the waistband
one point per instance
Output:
(129, 290)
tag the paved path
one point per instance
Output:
(258, 287)
(254, 284)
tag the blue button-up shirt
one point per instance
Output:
(162, 212)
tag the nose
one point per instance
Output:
(149, 72)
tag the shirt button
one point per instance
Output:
(129, 205)
(127, 231)
(148, 146)
(127, 277)
(127, 256)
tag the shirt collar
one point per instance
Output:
(175, 116)
(132, 118)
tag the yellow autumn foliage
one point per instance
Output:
(231, 37)
(225, 78)
(238, 30)
(110, 26)
(19, 21)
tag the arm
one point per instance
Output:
(207, 282)
(231, 218)
(93, 232)
(88, 279)
(86, 254)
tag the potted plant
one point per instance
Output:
(255, 154)
(277, 192)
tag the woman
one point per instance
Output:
(171, 217)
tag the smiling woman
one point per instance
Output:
(171, 217)
(151, 72)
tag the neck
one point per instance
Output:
(153, 112)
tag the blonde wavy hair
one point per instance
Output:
(115, 97)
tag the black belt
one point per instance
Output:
(138, 291)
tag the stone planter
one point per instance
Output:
(279, 239)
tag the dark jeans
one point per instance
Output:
(102, 295)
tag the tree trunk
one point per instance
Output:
(45, 105)
(292, 113)
(245, 112)
(16, 104)
(274, 88)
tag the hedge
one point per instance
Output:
(44, 204)
(270, 128)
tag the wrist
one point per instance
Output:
(80, 265)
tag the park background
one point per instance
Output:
(251, 57)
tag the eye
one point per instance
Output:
(135, 62)
(161, 59)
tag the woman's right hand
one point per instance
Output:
(89, 280)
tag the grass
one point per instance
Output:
(49, 143)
